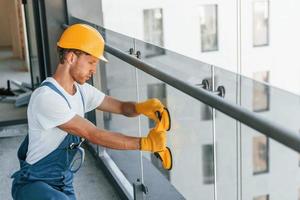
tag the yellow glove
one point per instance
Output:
(155, 141)
(149, 108)
(166, 158)
(164, 124)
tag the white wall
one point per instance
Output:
(182, 34)
(281, 57)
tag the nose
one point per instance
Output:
(93, 71)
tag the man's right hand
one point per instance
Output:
(155, 141)
(149, 108)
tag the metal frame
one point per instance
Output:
(13, 122)
(40, 38)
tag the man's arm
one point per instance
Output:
(110, 104)
(154, 142)
(84, 128)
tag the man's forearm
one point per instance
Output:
(128, 109)
(115, 140)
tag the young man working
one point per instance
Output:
(56, 120)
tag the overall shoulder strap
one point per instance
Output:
(54, 88)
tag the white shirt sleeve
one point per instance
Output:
(92, 97)
(52, 110)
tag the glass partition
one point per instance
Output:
(190, 139)
(191, 135)
(214, 156)
(269, 169)
(119, 81)
(226, 138)
(277, 105)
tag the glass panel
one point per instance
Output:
(268, 168)
(247, 152)
(190, 138)
(226, 136)
(266, 163)
(279, 106)
(181, 67)
(258, 96)
(119, 81)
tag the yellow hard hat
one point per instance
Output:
(85, 38)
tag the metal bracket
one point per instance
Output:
(139, 189)
(204, 84)
(220, 91)
(137, 54)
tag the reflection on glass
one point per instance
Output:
(206, 112)
(209, 29)
(261, 93)
(208, 164)
(262, 197)
(260, 154)
(260, 23)
(156, 90)
(153, 32)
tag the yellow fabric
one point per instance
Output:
(149, 107)
(85, 38)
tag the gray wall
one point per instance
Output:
(55, 13)
(91, 11)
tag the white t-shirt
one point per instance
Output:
(47, 110)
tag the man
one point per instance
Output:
(56, 124)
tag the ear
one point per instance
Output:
(71, 58)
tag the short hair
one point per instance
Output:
(62, 53)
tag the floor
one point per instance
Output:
(89, 182)
(11, 69)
